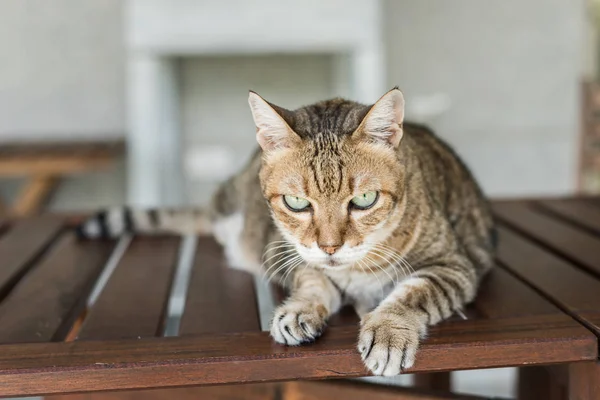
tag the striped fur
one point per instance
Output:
(115, 222)
(411, 260)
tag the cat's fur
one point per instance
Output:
(430, 216)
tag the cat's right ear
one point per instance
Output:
(272, 131)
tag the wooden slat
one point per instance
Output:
(256, 391)
(360, 391)
(493, 301)
(252, 356)
(578, 211)
(33, 195)
(43, 306)
(574, 290)
(220, 299)
(584, 381)
(22, 244)
(571, 242)
(134, 300)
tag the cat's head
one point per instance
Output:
(331, 175)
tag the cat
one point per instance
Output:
(348, 205)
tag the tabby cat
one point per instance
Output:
(347, 205)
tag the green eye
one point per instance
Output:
(296, 203)
(365, 200)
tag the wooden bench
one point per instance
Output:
(60, 334)
(43, 165)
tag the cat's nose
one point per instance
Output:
(330, 249)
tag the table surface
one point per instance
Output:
(92, 315)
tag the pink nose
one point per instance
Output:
(329, 249)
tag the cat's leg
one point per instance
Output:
(390, 334)
(303, 316)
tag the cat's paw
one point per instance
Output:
(296, 322)
(388, 342)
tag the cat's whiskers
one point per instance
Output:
(389, 264)
(389, 259)
(401, 259)
(398, 262)
(287, 264)
(285, 256)
(271, 249)
(290, 269)
(364, 262)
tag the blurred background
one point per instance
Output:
(106, 102)
(509, 83)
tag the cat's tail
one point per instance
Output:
(115, 222)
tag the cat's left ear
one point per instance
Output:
(384, 120)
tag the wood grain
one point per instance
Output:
(45, 368)
(257, 391)
(535, 383)
(575, 244)
(438, 381)
(220, 299)
(33, 195)
(21, 159)
(584, 381)
(20, 246)
(43, 306)
(572, 289)
(133, 302)
(577, 211)
(361, 391)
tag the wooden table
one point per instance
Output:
(540, 307)
(43, 165)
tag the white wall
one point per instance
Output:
(61, 69)
(511, 69)
(216, 116)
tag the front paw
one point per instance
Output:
(296, 322)
(388, 342)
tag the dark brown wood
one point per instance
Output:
(578, 211)
(492, 301)
(346, 316)
(438, 381)
(20, 246)
(220, 299)
(535, 383)
(574, 290)
(584, 381)
(134, 301)
(44, 306)
(257, 391)
(46, 368)
(571, 242)
(276, 391)
(361, 391)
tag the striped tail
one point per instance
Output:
(115, 222)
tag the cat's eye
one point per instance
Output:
(296, 203)
(365, 200)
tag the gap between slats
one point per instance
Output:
(22, 247)
(133, 303)
(179, 289)
(569, 288)
(572, 244)
(45, 305)
(577, 213)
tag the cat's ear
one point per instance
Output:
(383, 122)
(272, 131)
